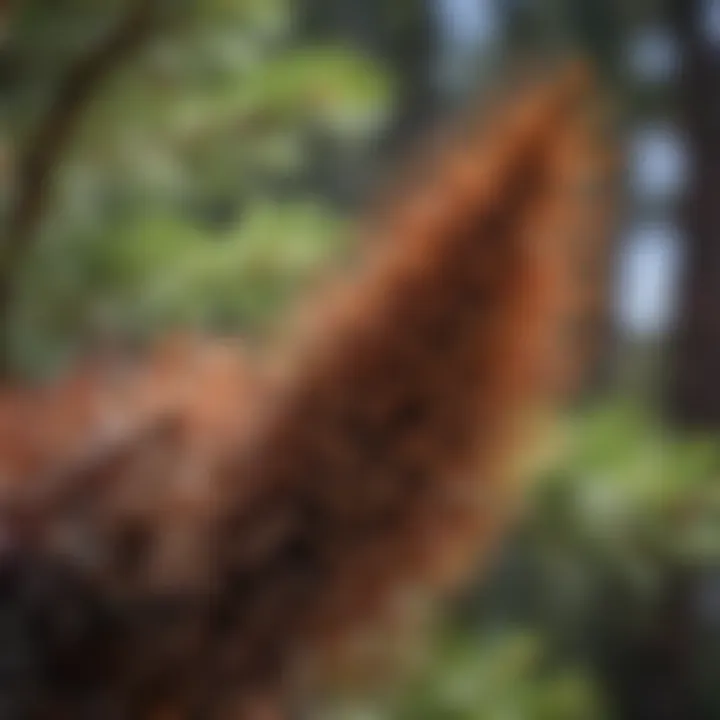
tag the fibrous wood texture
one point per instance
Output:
(193, 535)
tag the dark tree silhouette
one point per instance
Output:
(695, 392)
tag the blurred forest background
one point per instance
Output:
(177, 163)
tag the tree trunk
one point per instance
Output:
(695, 387)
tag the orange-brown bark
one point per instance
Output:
(225, 531)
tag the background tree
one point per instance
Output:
(696, 390)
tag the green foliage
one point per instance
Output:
(159, 271)
(509, 677)
(624, 505)
(630, 495)
(169, 205)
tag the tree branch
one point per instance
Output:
(55, 131)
